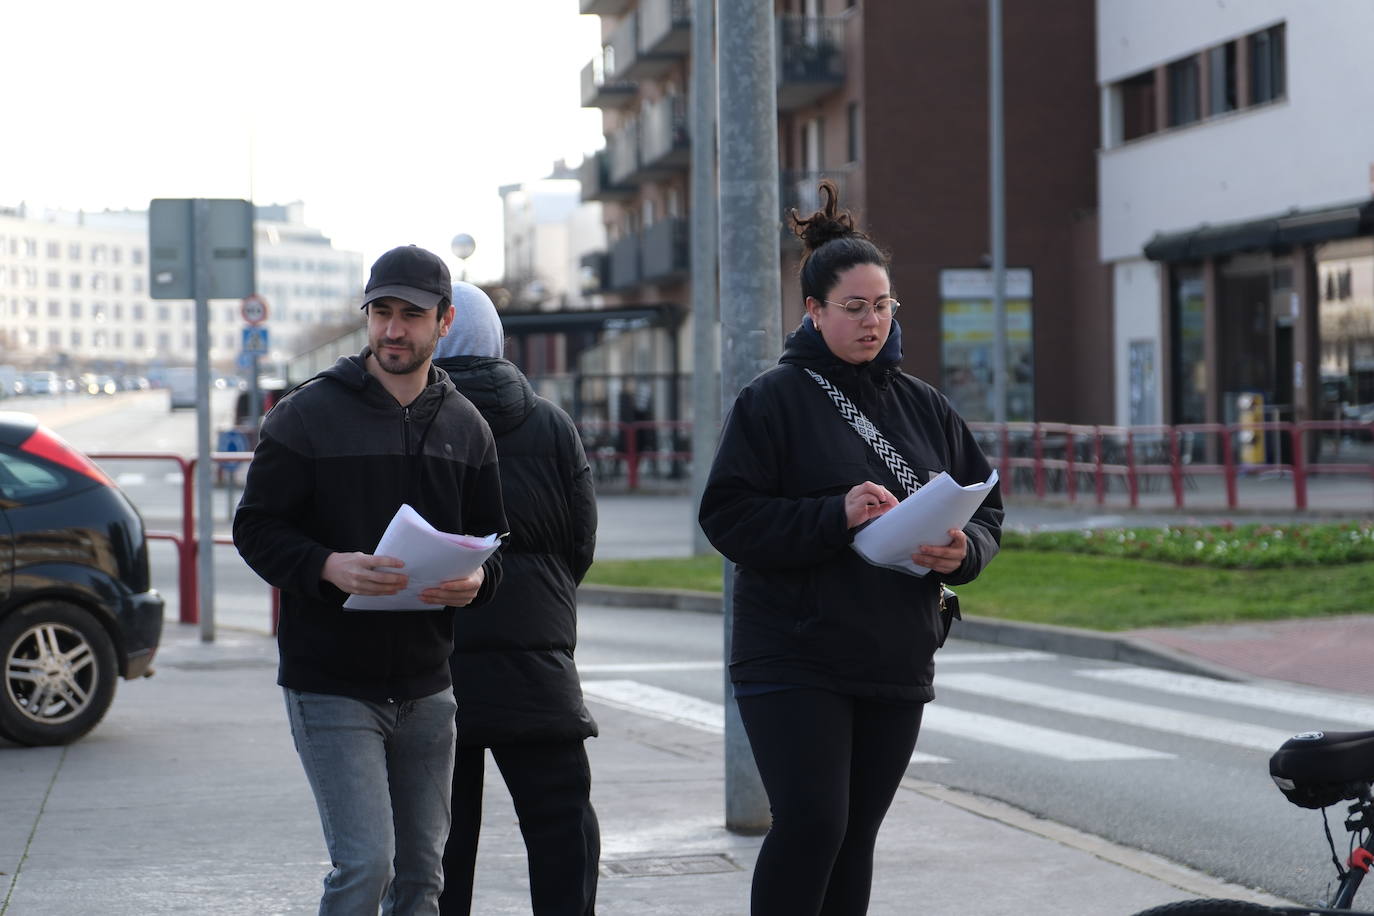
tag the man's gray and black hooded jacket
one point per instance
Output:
(513, 670)
(336, 458)
(808, 611)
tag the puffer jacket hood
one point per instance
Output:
(495, 386)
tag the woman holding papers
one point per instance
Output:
(832, 657)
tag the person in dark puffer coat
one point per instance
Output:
(514, 677)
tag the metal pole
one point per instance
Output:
(998, 213)
(750, 288)
(205, 536)
(705, 281)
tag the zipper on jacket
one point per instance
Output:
(405, 430)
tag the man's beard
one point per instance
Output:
(398, 364)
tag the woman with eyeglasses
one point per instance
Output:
(832, 658)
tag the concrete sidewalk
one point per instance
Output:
(189, 799)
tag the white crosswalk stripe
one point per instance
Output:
(1120, 712)
(1320, 708)
(945, 718)
(693, 712)
(1020, 736)
(633, 667)
(668, 705)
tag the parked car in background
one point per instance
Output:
(181, 386)
(77, 607)
(44, 383)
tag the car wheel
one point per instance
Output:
(59, 673)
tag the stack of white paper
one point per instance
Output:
(430, 556)
(924, 517)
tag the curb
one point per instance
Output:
(1042, 636)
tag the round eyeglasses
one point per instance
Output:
(858, 309)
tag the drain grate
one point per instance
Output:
(668, 866)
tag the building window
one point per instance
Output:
(54, 249)
(75, 309)
(75, 338)
(54, 279)
(54, 308)
(74, 281)
(136, 312)
(1268, 77)
(1184, 98)
(164, 313)
(136, 256)
(73, 251)
(1138, 106)
(1221, 79)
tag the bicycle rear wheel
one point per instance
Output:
(1210, 908)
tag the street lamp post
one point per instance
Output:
(463, 246)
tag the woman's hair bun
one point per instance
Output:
(827, 223)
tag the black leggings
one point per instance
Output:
(831, 765)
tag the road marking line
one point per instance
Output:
(1121, 712)
(132, 479)
(657, 703)
(616, 667)
(973, 658)
(704, 715)
(1033, 739)
(919, 757)
(1267, 698)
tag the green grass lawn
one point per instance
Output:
(1107, 592)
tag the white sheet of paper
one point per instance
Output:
(924, 517)
(431, 556)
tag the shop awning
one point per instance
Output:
(1285, 230)
(569, 320)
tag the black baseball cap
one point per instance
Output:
(409, 273)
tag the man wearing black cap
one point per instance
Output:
(368, 693)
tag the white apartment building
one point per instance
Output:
(74, 290)
(1236, 207)
(547, 229)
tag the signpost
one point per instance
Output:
(201, 249)
(254, 311)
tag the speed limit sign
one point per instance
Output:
(254, 309)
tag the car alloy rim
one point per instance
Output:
(51, 673)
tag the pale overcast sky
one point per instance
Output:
(395, 121)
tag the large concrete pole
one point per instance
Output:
(705, 285)
(997, 216)
(750, 289)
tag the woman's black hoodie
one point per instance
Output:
(807, 609)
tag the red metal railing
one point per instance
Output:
(1051, 459)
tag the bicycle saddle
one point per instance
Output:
(1316, 769)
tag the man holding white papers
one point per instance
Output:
(368, 692)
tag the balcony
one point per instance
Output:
(594, 174)
(624, 257)
(622, 154)
(603, 89)
(604, 7)
(665, 35)
(666, 251)
(664, 145)
(810, 59)
(800, 189)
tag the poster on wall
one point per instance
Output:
(967, 336)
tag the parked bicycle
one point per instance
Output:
(1315, 770)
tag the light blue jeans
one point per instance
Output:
(382, 777)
